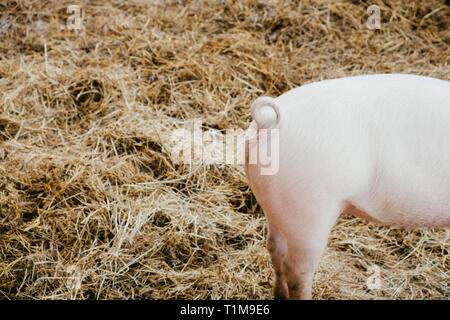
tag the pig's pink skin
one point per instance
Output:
(375, 146)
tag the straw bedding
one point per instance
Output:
(93, 206)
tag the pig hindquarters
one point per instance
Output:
(376, 146)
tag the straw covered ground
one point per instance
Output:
(93, 206)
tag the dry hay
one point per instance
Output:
(91, 203)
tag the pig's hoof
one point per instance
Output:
(280, 294)
(279, 297)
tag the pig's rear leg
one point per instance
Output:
(306, 238)
(277, 247)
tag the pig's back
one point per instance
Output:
(382, 141)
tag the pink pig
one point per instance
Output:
(376, 146)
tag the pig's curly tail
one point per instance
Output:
(265, 112)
